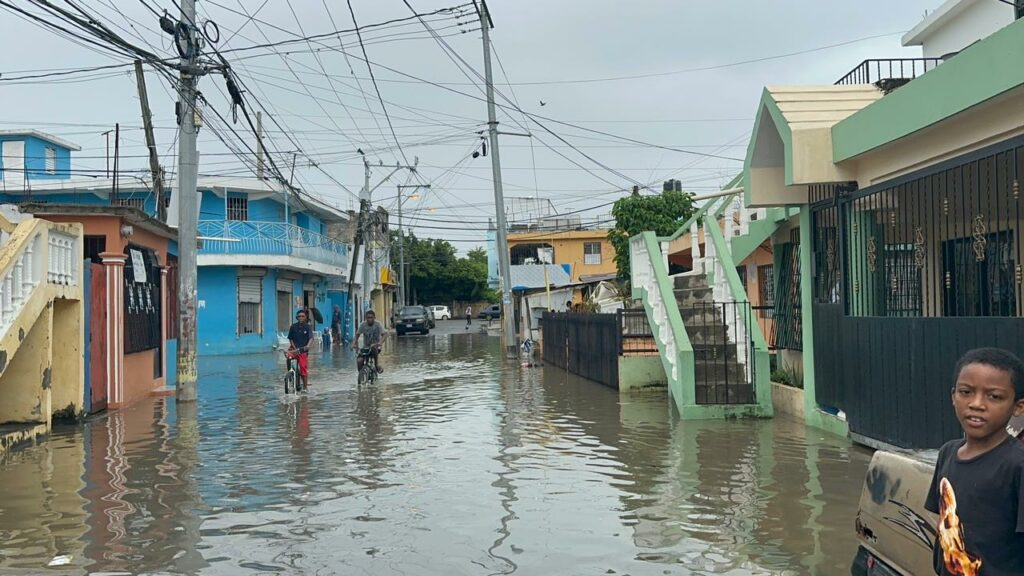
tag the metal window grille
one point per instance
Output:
(238, 208)
(766, 284)
(51, 160)
(250, 305)
(592, 253)
(943, 242)
(142, 303)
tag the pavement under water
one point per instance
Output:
(455, 462)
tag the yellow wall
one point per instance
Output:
(568, 248)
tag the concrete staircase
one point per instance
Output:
(720, 370)
(41, 327)
(713, 351)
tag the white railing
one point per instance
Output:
(63, 259)
(18, 281)
(247, 237)
(645, 278)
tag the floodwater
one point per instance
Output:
(454, 463)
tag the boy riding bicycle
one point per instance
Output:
(373, 334)
(299, 336)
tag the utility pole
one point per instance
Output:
(403, 293)
(511, 339)
(154, 160)
(188, 216)
(259, 147)
(368, 222)
(107, 136)
(115, 185)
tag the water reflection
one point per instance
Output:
(455, 463)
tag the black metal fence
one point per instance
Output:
(720, 333)
(909, 275)
(637, 339)
(888, 73)
(585, 344)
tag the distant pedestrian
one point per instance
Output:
(336, 325)
(568, 306)
(469, 317)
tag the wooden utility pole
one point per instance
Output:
(115, 185)
(259, 148)
(154, 161)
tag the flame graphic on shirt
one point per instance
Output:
(951, 536)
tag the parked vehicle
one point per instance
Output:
(895, 532)
(441, 312)
(492, 312)
(412, 319)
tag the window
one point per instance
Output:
(766, 284)
(51, 160)
(93, 247)
(250, 305)
(137, 203)
(592, 253)
(1019, 9)
(742, 271)
(142, 300)
(238, 208)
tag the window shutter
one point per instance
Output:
(249, 289)
(284, 285)
(51, 160)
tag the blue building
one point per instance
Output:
(264, 254)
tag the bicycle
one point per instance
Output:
(368, 375)
(292, 382)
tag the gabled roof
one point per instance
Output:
(42, 136)
(531, 276)
(793, 132)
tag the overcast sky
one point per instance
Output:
(697, 90)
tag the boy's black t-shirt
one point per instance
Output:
(989, 491)
(300, 334)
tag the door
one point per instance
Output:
(97, 303)
(14, 165)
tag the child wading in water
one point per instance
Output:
(978, 486)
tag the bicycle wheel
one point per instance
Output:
(362, 375)
(289, 382)
(371, 371)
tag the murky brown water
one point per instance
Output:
(453, 464)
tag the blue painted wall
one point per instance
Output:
(218, 316)
(266, 210)
(35, 158)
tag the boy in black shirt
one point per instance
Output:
(978, 486)
(299, 336)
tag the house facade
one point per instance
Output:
(264, 252)
(892, 199)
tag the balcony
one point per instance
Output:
(246, 243)
(889, 73)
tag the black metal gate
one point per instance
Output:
(142, 306)
(908, 276)
(585, 344)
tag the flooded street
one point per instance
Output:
(454, 463)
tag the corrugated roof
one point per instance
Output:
(531, 276)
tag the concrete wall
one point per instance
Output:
(25, 384)
(68, 362)
(968, 22)
(641, 372)
(787, 401)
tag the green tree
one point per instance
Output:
(662, 214)
(436, 274)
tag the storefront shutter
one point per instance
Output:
(249, 289)
(284, 285)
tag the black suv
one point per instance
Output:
(412, 319)
(492, 312)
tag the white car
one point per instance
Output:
(441, 312)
